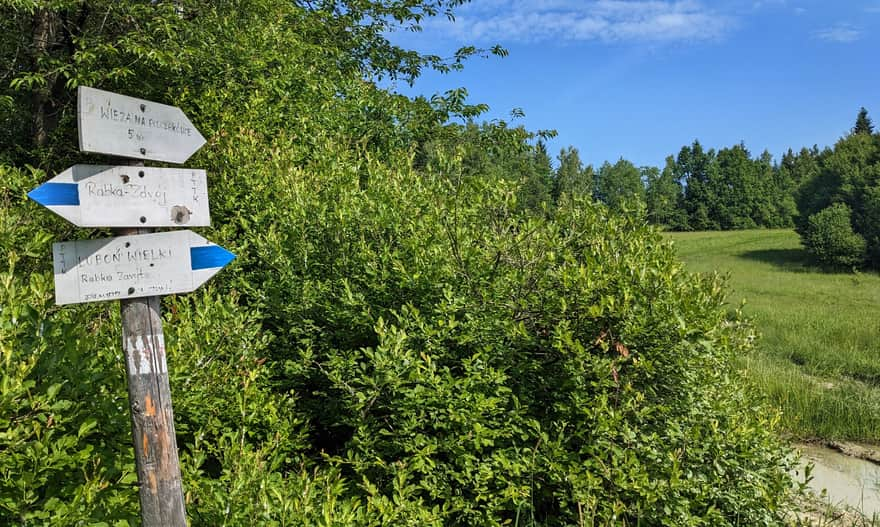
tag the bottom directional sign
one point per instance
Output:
(134, 266)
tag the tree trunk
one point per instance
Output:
(44, 31)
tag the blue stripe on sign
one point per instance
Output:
(209, 257)
(49, 194)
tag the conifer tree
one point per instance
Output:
(696, 169)
(536, 179)
(863, 123)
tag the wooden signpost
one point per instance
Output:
(127, 196)
(139, 265)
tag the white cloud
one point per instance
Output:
(842, 33)
(574, 20)
(758, 4)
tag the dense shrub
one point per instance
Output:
(830, 238)
(66, 455)
(61, 389)
(501, 368)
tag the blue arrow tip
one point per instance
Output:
(49, 194)
(209, 257)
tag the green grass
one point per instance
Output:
(818, 357)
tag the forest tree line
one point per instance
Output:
(830, 195)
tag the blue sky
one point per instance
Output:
(640, 79)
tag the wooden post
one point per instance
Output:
(152, 417)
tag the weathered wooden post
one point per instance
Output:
(152, 417)
(138, 265)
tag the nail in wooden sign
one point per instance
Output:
(134, 266)
(118, 125)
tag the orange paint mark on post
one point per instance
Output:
(154, 487)
(150, 407)
(146, 443)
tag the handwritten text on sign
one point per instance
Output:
(110, 123)
(134, 266)
(125, 196)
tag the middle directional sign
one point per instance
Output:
(134, 266)
(127, 196)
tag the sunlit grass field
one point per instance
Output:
(818, 357)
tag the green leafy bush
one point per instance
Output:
(494, 367)
(61, 390)
(830, 238)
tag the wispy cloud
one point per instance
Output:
(841, 33)
(578, 20)
(758, 4)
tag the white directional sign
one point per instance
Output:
(126, 196)
(119, 125)
(134, 266)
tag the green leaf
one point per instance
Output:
(87, 427)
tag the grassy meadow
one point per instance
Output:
(818, 356)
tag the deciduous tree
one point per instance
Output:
(620, 184)
(571, 176)
(664, 197)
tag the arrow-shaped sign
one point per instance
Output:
(134, 266)
(127, 196)
(119, 125)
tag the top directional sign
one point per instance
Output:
(118, 125)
